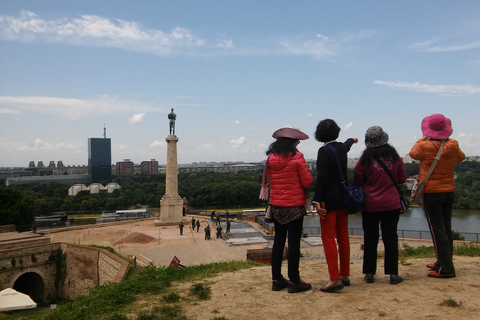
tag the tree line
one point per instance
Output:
(19, 204)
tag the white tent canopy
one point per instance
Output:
(11, 299)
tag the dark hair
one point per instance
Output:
(385, 151)
(327, 130)
(284, 146)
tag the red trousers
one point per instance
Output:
(335, 227)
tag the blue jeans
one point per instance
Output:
(438, 210)
(294, 231)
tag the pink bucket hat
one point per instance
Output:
(290, 132)
(437, 126)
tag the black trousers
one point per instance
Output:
(388, 221)
(438, 210)
(294, 231)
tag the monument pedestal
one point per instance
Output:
(171, 210)
(171, 205)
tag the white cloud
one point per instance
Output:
(320, 36)
(157, 144)
(317, 49)
(322, 46)
(431, 45)
(9, 111)
(136, 118)
(237, 122)
(348, 126)
(429, 88)
(236, 143)
(97, 31)
(40, 145)
(228, 44)
(92, 30)
(70, 108)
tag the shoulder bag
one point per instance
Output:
(417, 193)
(353, 195)
(404, 203)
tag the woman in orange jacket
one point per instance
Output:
(438, 197)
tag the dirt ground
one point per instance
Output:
(247, 294)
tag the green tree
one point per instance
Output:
(42, 206)
(16, 207)
(67, 205)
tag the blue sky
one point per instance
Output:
(234, 72)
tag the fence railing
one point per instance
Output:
(416, 234)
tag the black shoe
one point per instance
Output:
(299, 287)
(336, 286)
(279, 285)
(395, 279)
(345, 281)
(369, 278)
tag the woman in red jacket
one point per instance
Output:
(439, 190)
(289, 175)
(383, 202)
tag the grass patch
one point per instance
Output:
(420, 252)
(172, 297)
(472, 250)
(450, 303)
(201, 291)
(407, 251)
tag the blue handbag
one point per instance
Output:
(354, 197)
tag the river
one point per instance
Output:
(463, 221)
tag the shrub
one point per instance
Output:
(172, 297)
(450, 303)
(201, 291)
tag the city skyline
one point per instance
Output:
(234, 72)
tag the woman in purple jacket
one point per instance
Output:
(383, 202)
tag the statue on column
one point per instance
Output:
(172, 117)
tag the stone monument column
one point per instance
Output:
(171, 205)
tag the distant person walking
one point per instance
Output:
(438, 197)
(198, 224)
(228, 226)
(383, 202)
(289, 175)
(193, 223)
(207, 232)
(219, 231)
(181, 227)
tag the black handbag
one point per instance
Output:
(353, 196)
(404, 202)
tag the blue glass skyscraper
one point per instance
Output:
(100, 159)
